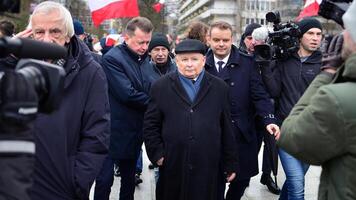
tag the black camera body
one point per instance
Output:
(28, 86)
(47, 80)
(282, 41)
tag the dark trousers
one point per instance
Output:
(237, 189)
(266, 166)
(104, 181)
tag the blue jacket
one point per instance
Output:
(247, 98)
(128, 94)
(72, 142)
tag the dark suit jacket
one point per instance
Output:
(192, 137)
(247, 98)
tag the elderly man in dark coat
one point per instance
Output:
(187, 129)
(72, 142)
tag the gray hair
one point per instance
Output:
(47, 7)
(260, 34)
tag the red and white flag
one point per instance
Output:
(311, 8)
(109, 9)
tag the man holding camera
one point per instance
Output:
(320, 129)
(286, 81)
(247, 44)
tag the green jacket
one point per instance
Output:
(321, 130)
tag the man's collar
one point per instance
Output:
(216, 60)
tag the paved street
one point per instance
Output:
(256, 191)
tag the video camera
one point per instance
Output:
(47, 80)
(281, 42)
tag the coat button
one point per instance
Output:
(191, 111)
(190, 167)
(232, 84)
(191, 138)
(232, 66)
(233, 121)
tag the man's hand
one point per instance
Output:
(160, 161)
(332, 54)
(273, 129)
(24, 34)
(230, 177)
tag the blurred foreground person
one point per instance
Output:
(321, 128)
(72, 142)
(187, 129)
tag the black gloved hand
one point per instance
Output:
(18, 102)
(332, 52)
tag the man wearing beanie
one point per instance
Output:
(321, 129)
(247, 45)
(286, 80)
(187, 128)
(246, 42)
(159, 51)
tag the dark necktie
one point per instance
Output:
(220, 63)
(193, 81)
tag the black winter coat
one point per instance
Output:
(72, 142)
(287, 80)
(248, 98)
(191, 137)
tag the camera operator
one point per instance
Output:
(286, 80)
(321, 128)
(256, 34)
(72, 142)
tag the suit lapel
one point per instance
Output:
(178, 88)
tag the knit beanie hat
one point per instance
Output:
(308, 23)
(349, 19)
(250, 28)
(78, 27)
(158, 39)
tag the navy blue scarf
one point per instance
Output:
(191, 89)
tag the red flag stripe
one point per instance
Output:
(311, 8)
(124, 8)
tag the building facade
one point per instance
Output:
(239, 13)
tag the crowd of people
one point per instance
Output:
(202, 109)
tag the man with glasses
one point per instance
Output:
(72, 142)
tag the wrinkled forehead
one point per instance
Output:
(44, 19)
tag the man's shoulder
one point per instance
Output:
(218, 82)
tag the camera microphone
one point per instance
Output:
(28, 48)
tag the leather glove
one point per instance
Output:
(18, 102)
(332, 52)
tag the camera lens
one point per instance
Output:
(34, 76)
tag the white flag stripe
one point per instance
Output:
(308, 2)
(98, 4)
